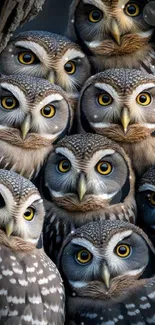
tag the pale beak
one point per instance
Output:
(106, 275)
(51, 77)
(26, 125)
(115, 32)
(81, 187)
(9, 228)
(125, 119)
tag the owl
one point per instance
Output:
(145, 197)
(86, 177)
(31, 289)
(46, 55)
(113, 33)
(108, 269)
(33, 114)
(120, 104)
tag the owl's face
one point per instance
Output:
(102, 251)
(49, 56)
(21, 207)
(107, 26)
(33, 105)
(146, 200)
(87, 172)
(119, 98)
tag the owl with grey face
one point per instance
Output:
(119, 104)
(108, 268)
(86, 177)
(33, 114)
(31, 289)
(46, 55)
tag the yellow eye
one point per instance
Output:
(29, 214)
(70, 67)
(105, 99)
(123, 250)
(132, 9)
(151, 198)
(9, 102)
(104, 168)
(26, 58)
(95, 16)
(64, 166)
(48, 111)
(83, 256)
(143, 99)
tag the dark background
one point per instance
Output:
(53, 17)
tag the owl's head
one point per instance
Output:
(34, 105)
(46, 55)
(145, 197)
(88, 172)
(100, 254)
(122, 104)
(21, 207)
(108, 27)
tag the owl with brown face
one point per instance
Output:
(33, 114)
(114, 33)
(120, 104)
(46, 55)
(86, 177)
(108, 272)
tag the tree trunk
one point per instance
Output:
(14, 13)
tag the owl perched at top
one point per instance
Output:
(33, 114)
(113, 32)
(46, 55)
(120, 104)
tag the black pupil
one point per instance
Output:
(9, 102)
(122, 250)
(143, 98)
(96, 15)
(104, 167)
(27, 57)
(131, 10)
(68, 67)
(105, 99)
(65, 165)
(84, 256)
(27, 213)
(47, 110)
(2, 202)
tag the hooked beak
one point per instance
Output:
(9, 228)
(26, 125)
(125, 119)
(106, 275)
(51, 77)
(81, 187)
(115, 32)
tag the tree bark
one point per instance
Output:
(14, 13)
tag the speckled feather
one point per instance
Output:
(31, 290)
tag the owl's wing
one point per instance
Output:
(55, 230)
(137, 308)
(31, 289)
